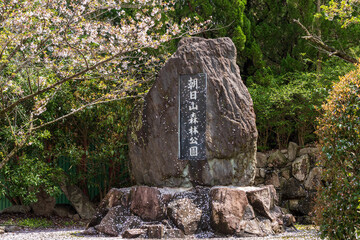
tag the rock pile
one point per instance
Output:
(294, 174)
(151, 212)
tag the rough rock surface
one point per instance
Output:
(45, 204)
(293, 149)
(261, 200)
(113, 198)
(185, 214)
(16, 209)
(276, 159)
(79, 200)
(293, 189)
(227, 209)
(230, 122)
(301, 167)
(313, 181)
(147, 203)
(201, 212)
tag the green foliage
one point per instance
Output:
(20, 181)
(91, 146)
(339, 136)
(285, 105)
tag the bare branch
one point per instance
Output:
(321, 45)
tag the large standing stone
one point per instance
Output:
(227, 209)
(230, 122)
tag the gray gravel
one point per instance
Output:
(71, 234)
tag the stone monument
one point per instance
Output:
(193, 143)
(229, 130)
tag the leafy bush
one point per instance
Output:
(20, 181)
(339, 136)
(285, 105)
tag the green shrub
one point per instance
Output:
(339, 137)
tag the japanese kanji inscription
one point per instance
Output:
(192, 116)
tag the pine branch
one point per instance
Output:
(321, 45)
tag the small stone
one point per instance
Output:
(289, 220)
(185, 214)
(252, 227)
(293, 149)
(146, 202)
(249, 213)
(262, 172)
(277, 159)
(17, 209)
(272, 178)
(313, 181)
(113, 198)
(2, 229)
(227, 208)
(260, 199)
(261, 160)
(301, 167)
(274, 200)
(285, 172)
(311, 151)
(134, 233)
(259, 181)
(266, 227)
(12, 228)
(292, 189)
(276, 227)
(64, 210)
(278, 214)
(155, 231)
(173, 233)
(76, 217)
(294, 205)
(90, 231)
(44, 206)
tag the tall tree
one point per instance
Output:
(46, 46)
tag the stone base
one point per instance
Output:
(150, 212)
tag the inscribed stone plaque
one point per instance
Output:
(192, 116)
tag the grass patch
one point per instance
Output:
(305, 227)
(35, 223)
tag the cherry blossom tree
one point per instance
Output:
(100, 47)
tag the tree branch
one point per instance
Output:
(82, 108)
(21, 100)
(321, 45)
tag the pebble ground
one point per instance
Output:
(307, 234)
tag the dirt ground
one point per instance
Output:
(57, 228)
